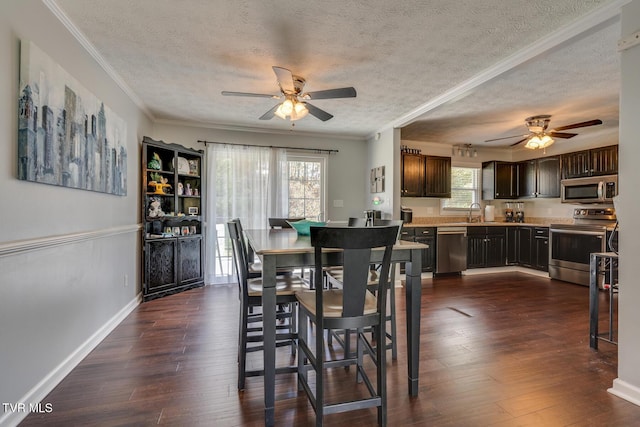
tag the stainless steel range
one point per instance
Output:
(571, 244)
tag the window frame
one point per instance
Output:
(477, 192)
(323, 160)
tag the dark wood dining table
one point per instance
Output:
(284, 249)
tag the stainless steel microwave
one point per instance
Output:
(593, 189)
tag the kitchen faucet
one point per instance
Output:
(470, 218)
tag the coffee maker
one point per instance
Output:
(508, 213)
(519, 212)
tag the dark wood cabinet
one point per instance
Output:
(486, 246)
(425, 176)
(173, 189)
(539, 177)
(597, 161)
(525, 238)
(541, 248)
(438, 177)
(512, 246)
(499, 180)
(426, 235)
(412, 175)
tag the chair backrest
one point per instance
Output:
(282, 222)
(239, 254)
(356, 243)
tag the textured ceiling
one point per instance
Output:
(177, 56)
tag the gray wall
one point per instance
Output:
(65, 254)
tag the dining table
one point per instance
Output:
(285, 248)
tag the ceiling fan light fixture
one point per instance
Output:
(291, 109)
(539, 142)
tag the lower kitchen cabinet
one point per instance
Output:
(486, 246)
(528, 247)
(426, 235)
(541, 248)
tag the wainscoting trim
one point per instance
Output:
(29, 245)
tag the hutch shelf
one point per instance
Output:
(173, 189)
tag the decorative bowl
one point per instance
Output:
(303, 226)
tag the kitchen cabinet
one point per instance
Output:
(499, 180)
(426, 235)
(524, 241)
(512, 246)
(539, 177)
(541, 248)
(173, 191)
(412, 175)
(486, 246)
(438, 177)
(593, 162)
(425, 176)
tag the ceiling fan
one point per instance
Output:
(540, 137)
(295, 105)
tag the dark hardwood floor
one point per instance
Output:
(505, 349)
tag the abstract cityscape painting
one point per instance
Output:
(66, 136)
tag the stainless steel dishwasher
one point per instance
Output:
(451, 250)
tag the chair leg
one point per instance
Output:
(392, 304)
(242, 347)
(302, 357)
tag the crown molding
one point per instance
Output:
(90, 48)
(606, 14)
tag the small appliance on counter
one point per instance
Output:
(508, 213)
(406, 215)
(519, 212)
(489, 213)
(371, 215)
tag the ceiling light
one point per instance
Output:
(291, 109)
(538, 142)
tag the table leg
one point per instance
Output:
(593, 302)
(269, 336)
(413, 292)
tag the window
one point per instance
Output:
(305, 186)
(465, 188)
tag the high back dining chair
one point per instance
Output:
(353, 307)
(282, 222)
(250, 329)
(334, 278)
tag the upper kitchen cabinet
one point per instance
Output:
(597, 161)
(539, 177)
(438, 177)
(412, 175)
(499, 180)
(425, 176)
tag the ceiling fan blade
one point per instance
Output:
(317, 112)
(507, 137)
(285, 79)
(256, 95)
(564, 135)
(343, 92)
(519, 142)
(579, 125)
(269, 114)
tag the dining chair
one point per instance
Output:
(334, 277)
(282, 222)
(250, 334)
(352, 307)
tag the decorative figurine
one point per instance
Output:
(155, 163)
(180, 189)
(155, 211)
(187, 191)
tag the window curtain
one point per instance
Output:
(244, 182)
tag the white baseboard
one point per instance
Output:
(625, 391)
(50, 381)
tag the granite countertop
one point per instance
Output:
(462, 222)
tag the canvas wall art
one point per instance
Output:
(66, 136)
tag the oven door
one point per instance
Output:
(570, 251)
